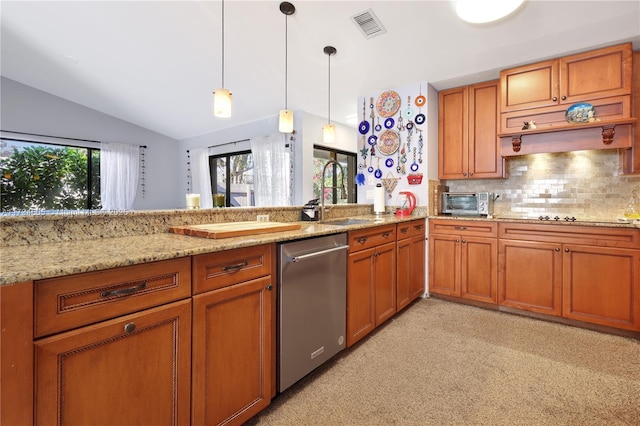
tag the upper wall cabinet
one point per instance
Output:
(581, 101)
(586, 76)
(467, 133)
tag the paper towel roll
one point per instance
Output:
(378, 199)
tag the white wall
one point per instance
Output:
(26, 109)
(429, 165)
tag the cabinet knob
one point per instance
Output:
(129, 327)
(269, 287)
(362, 240)
(470, 173)
(566, 250)
(564, 98)
(557, 249)
(464, 241)
(457, 241)
(554, 99)
(464, 173)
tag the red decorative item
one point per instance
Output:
(414, 179)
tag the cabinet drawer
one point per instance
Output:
(371, 237)
(572, 234)
(418, 227)
(77, 300)
(404, 230)
(476, 228)
(221, 269)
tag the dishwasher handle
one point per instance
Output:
(296, 259)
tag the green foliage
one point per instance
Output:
(47, 178)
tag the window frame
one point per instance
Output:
(89, 168)
(352, 161)
(213, 175)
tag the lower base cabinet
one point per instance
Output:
(232, 353)
(133, 370)
(588, 274)
(411, 256)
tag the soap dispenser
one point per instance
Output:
(633, 209)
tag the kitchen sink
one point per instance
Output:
(347, 222)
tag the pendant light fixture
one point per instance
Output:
(285, 121)
(329, 130)
(222, 96)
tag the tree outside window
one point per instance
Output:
(37, 176)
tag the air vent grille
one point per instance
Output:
(368, 23)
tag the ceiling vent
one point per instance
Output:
(368, 23)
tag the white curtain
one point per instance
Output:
(272, 170)
(201, 176)
(119, 169)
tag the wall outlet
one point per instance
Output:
(262, 218)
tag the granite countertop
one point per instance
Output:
(47, 260)
(529, 220)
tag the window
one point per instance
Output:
(41, 176)
(232, 175)
(333, 177)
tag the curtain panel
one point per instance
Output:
(273, 170)
(119, 170)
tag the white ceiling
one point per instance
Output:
(156, 63)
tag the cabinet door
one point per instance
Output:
(453, 144)
(444, 264)
(479, 264)
(403, 280)
(596, 74)
(529, 86)
(417, 275)
(133, 370)
(484, 146)
(530, 276)
(601, 285)
(232, 352)
(384, 274)
(360, 295)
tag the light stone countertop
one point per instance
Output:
(535, 221)
(47, 260)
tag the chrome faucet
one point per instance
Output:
(343, 190)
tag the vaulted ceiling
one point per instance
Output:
(155, 63)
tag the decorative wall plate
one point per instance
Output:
(388, 142)
(388, 103)
(580, 113)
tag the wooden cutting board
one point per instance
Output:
(233, 229)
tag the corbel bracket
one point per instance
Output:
(607, 134)
(516, 142)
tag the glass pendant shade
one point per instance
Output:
(222, 103)
(482, 11)
(285, 122)
(329, 133)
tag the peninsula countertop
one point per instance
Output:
(48, 260)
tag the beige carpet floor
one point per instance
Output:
(442, 363)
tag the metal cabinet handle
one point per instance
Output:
(124, 291)
(386, 235)
(318, 253)
(235, 267)
(362, 240)
(460, 227)
(404, 230)
(129, 327)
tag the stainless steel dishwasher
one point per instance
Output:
(312, 286)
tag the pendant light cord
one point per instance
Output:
(329, 115)
(286, 59)
(222, 43)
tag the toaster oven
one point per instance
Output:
(467, 203)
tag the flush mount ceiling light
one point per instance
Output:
(222, 96)
(285, 121)
(329, 130)
(482, 11)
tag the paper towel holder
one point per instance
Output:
(379, 200)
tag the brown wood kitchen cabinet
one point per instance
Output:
(233, 334)
(371, 280)
(584, 273)
(113, 347)
(468, 146)
(411, 255)
(544, 90)
(463, 257)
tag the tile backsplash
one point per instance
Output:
(584, 184)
